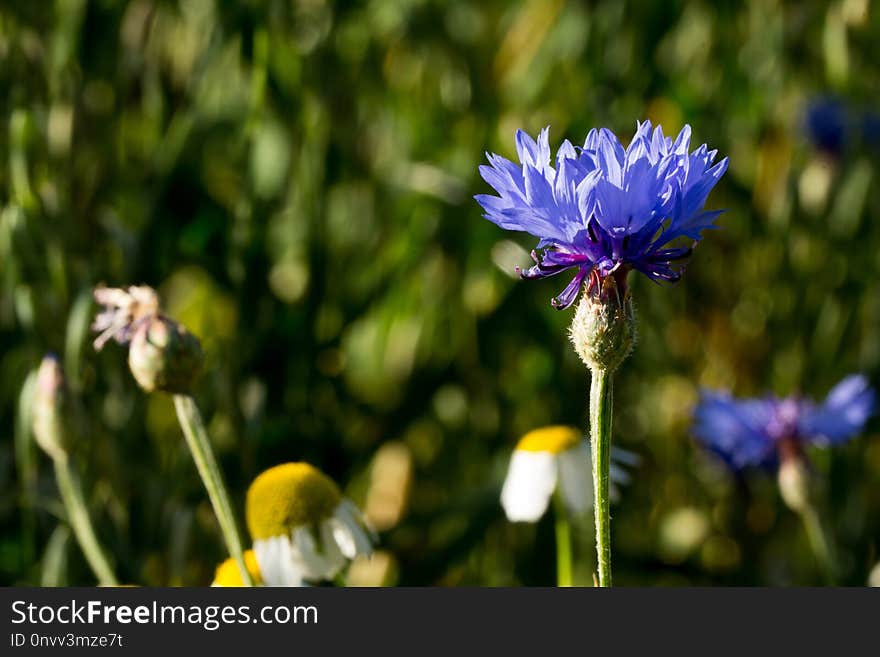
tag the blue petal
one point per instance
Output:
(535, 154)
(611, 157)
(843, 414)
(591, 143)
(566, 152)
(503, 182)
(691, 228)
(526, 148)
(695, 195)
(538, 190)
(683, 141)
(585, 191)
(659, 144)
(734, 429)
(534, 221)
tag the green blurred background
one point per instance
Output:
(295, 177)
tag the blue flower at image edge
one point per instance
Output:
(603, 209)
(751, 432)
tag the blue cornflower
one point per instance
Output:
(603, 209)
(758, 432)
(827, 124)
(871, 129)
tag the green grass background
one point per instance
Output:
(295, 177)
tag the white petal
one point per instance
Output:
(576, 478)
(362, 540)
(332, 551)
(275, 559)
(343, 538)
(268, 560)
(530, 481)
(350, 516)
(306, 556)
(315, 561)
(354, 514)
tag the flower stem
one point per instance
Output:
(563, 542)
(601, 390)
(819, 542)
(197, 438)
(78, 516)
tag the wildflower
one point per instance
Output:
(228, 574)
(870, 129)
(605, 210)
(773, 432)
(826, 124)
(302, 528)
(551, 457)
(162, 354)
(761, 432)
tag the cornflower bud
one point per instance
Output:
(603, 329)
(49, 399)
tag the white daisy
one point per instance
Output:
(555, 456)
(302, 528)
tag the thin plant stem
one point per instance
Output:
(601, 390)
(563, 542)
(199, 445)
(78, 516)
(819, 542)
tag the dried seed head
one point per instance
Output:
(164, 356)
(124, 311)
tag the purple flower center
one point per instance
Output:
(783, 420)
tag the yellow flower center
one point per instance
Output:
(553, 439)
(227, 573)
(288, 496)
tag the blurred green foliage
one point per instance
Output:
(295, 176)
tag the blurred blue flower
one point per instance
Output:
(751, 432)
(871, 129)
(826, 124)
(604, 209)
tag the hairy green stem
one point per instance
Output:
(563, 541)
(78, 516)
(601, 390)
(197, 438)
(819, 542)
